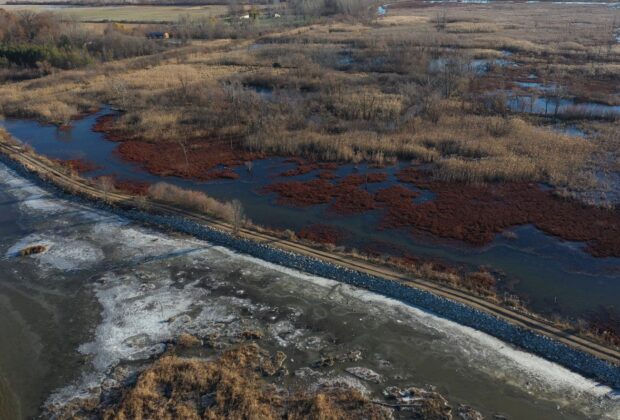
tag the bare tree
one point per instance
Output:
(185, 87)
(183, 144)
(142, 202)
(237, 216)
(120, 92)
(106, 184)
(441, 20)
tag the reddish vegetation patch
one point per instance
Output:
(297, 160)
(300, 170)
(203, 158)
(395, 194)
(303, 193)
(324, 234)
(304, 168)
(105, 124)
(361, 179)
(476, 213)
(169, 159)
(132, 187)
(225, 173)
(78, 165)
(352, 200)
(327, 175)
(347, 195)
(331, 166)
(470, 213)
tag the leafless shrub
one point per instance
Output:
(106, 184)
(237, 215)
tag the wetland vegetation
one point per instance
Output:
(413, 135)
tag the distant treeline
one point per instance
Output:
(27, 55)
(42, 42)
(133, 2)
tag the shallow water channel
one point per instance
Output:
(550, 274)
(109, 292)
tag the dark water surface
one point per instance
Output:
(550, 274)
(109, 292)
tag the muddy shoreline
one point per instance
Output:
(552, 350)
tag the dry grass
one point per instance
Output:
(471, 27)
(230, 387)
(194, 200)
(353, 92)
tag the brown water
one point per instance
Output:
(109, 292)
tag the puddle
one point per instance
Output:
(550, 106)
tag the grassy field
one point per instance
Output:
(143, 14)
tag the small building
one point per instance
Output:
(158, 35)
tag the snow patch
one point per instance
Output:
(29, 195)
(62, 253)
